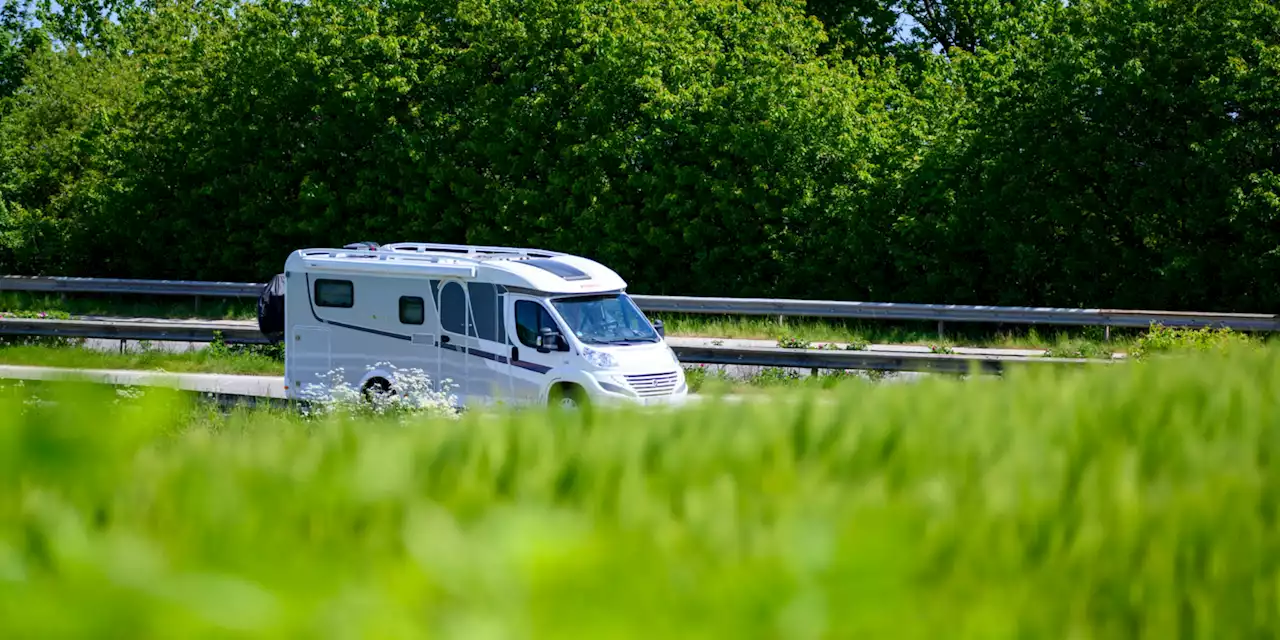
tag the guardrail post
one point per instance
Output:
(940, 327)
(1106, 332)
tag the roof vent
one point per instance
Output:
(558, 268)
(362, 246)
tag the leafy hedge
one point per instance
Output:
(1102, 154)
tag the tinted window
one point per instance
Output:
(531, 317)
(412, 310)
(453, 308)
(335, 293)
(484, 310)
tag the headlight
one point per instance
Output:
(599, 359)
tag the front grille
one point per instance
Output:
(653, 384)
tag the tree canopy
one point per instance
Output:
(1098, 152)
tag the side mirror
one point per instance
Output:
(660, 328)
(549, 340)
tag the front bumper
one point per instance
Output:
(615, 389)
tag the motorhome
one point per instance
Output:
(501, 324)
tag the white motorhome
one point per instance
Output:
(520, 326)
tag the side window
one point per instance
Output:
(530, 318)
(412, 310)
(335, 293)
(484, 310)
(453, 308)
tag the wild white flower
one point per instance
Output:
(129, 393)
(410, 392)
(34, 401)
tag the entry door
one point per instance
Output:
(454, 361)
(489, 380)
(531, 369)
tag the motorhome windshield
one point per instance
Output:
(605, 319)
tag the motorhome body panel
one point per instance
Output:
(454, 318)
(368, 320)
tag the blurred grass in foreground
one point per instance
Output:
(1134, 501)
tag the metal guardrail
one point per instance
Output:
(132, 330)
(735, 306)
(955, 313)
(866, 360)
(765, 357)
(61, 284)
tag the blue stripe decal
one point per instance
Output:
(488, 356)
(531, 366)
(386, 334)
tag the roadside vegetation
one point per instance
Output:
(1119, 502)
(217, 357)
(858, 334)
(264, 361)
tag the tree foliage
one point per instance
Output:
(1031, 152)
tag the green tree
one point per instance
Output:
(868, 28)
(1124, 156)
(647, 134)
(61, 144)
(1033, 152)
(17, 40)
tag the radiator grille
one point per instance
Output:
(653, 384)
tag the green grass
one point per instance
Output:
(816, 330)
(1118, 502)
(710, 380)
(213, 360)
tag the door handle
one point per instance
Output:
(515, 353)
(444, 339)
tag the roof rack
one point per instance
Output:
(470, 251)
(424, 257)
(386, 261)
